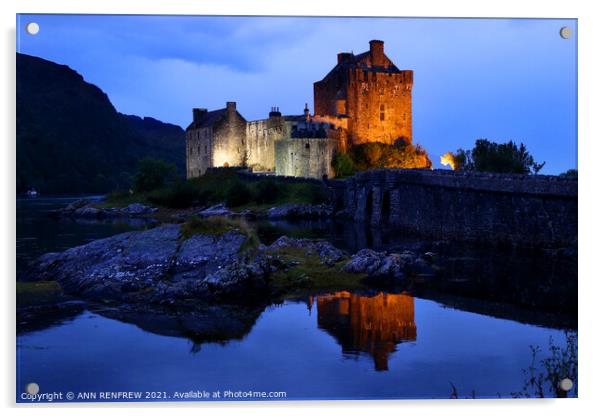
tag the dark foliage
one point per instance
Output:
(183, 194)
(238, 194)
(153, 174)
(343, 165)
(493, 157)
(571, 173)
(226, 186)
(70, 138)
(268, 192)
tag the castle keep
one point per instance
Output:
(371, 94)
(363, 98)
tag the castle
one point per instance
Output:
(364, 98)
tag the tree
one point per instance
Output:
(571, 173)
(343, 165)
(456, 161)
(494, 157)
(153, 174)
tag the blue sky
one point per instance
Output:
(499, 79)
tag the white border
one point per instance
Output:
(590, 138)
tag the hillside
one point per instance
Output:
(70, 138)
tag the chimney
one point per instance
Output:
(306, 112)
(344, 57)
(275, 112)
(231, 106)
(377, 52)
(198, 113)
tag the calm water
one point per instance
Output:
(337, 345)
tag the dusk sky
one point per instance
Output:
(473, 78)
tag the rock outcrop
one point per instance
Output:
(329, 254)
(388, 267)
(84, 208)
(155, 265)
(299, 211)
(162, 266)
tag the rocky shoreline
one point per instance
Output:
(163, 266)
(84, 208)
(87, 209)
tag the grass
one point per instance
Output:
(307, 274)
(122, 199)
(36, 293)
(227, 187)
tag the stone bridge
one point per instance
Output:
(499, 208)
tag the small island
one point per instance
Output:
(196, 233)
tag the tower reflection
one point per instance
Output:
(371, 324)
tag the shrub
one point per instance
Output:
(237, 194)
(401, 155)
(457, 161)
(268, 191)
(180, 195)
(310, 193)
(571, 173)
(153, 174)
(343, 165)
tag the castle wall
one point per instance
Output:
(229, 137)
(198, 151)
(379, 105)
(308, 157)
(260, 138)
(494, 208)
(327, 91)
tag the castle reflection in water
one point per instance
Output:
(370, 324)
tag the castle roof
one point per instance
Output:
(364, 61)
(208, 119)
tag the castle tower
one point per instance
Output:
(371, 92)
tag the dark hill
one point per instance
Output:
(70, 138)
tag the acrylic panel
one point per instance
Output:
(295, 208)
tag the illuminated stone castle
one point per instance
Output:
(370, 98)
(363, 98)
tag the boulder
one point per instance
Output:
(293, 211)
(328, 253)
(380, 265)
(138, 209)
(215, 210)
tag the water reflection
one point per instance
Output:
(370, 324)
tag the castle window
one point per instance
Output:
(205, 149)
(307, 145)
(382, 107)
(199, 150)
